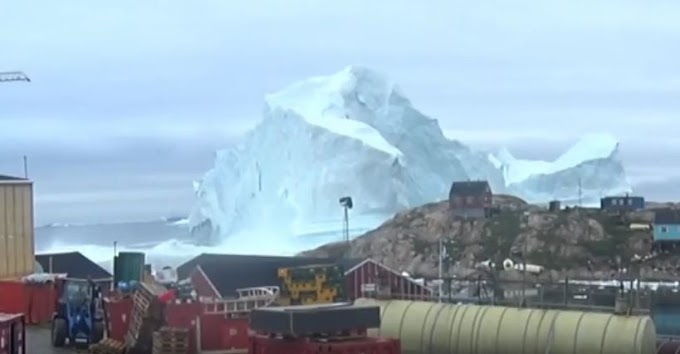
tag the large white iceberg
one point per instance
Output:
(350, 134)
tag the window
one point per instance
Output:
(630, 202)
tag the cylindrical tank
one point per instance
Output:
(437, 328)
(128, 267)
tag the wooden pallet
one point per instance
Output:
(168, 340)
(107, 346)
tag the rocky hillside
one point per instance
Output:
(583, 243)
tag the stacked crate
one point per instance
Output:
(316, 284)
(108, 346)
(170, 340)
(145, 318)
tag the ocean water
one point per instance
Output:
(171, 243)
(667, 320)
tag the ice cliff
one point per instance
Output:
(355, 133)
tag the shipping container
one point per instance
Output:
(16, 227)
(128, 267)
(36, 301)
(117, 312)
(12, 334)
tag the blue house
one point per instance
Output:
(667, 226)
(622, 203)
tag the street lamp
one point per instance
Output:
(346, 204)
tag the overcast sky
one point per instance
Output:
(129, 99)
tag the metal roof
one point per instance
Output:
(227, 273)
(469, 188)
(74, 264)
(5, 179)
(667, 216)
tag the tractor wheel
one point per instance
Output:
(97, 332)
(59, 332)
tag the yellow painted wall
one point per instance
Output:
(17, 252)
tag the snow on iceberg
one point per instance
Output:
(351, 133)
(587, 171)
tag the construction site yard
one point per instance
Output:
(38, 341)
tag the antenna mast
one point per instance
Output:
(25, 167)
(580, 188)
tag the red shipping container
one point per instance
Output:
(13, 299)
(212, 330)
(41, 302)
(267, 345)
(118, 315)
(183, 314)
(37, 301)
(234, 333)
(12, 333)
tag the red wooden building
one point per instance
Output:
(372, 279)
(219, 276)
(470, 199)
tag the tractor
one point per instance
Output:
(77, 317)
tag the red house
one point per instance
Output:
(470, 199)
(372, 279)
(219, 276)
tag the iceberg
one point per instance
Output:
(353, 133)
(586, 172)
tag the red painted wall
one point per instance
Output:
(37, 301)
(185, 315)
(388, 284)
(202, 285)
(118, 314)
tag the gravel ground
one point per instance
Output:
(38, 342)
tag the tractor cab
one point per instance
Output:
(77, 317)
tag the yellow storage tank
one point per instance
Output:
(17, 257)
(435, 328)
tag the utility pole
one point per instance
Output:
(580, 189)
(580, 193)
(13, 76)
(259, 177)
(440, 271)
(525, 216)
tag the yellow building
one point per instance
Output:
(17, 250)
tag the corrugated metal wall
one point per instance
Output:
(16, 229)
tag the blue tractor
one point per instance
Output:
(77, 317)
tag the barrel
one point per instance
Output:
(438, 328)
